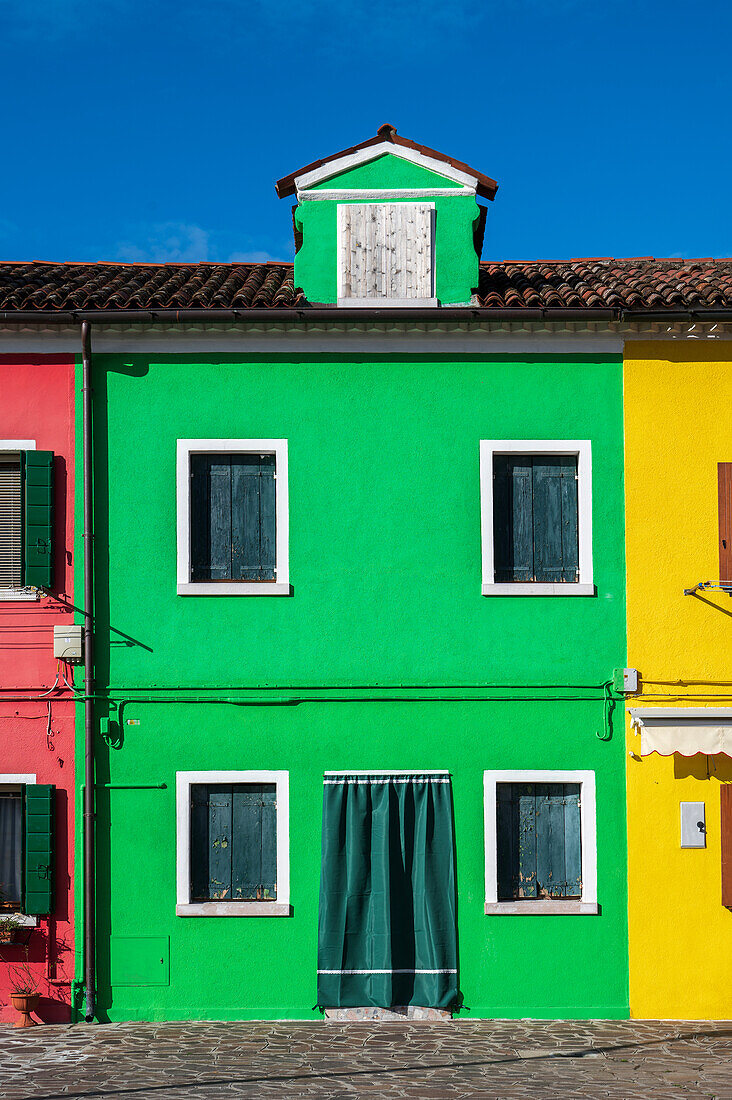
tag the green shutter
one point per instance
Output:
(234, 842)
(39, 849)
(512, 518)
(252, 517)
(220, 839)
(539, 843)
(556, 542)
(254, 858)
(38, 518)
(535, 528)
(233, 531)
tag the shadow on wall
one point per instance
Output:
(717, 767)
(44, 965)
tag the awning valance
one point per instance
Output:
(687, 731)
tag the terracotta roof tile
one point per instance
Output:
(82, 286)
(607, 284)
(635, 284)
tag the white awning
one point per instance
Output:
(687, 730)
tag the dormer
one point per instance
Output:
(388, 223)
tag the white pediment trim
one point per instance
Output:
(383, 195)
(363, 156)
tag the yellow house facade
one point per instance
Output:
(678, 467)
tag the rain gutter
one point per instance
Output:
(88, 540)
(338, 315)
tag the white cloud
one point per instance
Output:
(251, 257)
(166, 242)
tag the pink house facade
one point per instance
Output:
(36, 705)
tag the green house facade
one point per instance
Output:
(359, 595)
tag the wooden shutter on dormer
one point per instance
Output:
(724, 484)
(385, 250)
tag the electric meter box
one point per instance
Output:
(68, 643)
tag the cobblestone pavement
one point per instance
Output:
(483, 1058)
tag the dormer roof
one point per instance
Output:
(386, 140)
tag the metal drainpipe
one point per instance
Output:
(88, 537)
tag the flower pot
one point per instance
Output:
(25, 1003)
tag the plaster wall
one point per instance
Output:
(38, 403)
(678, 411)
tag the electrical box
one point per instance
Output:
(693, 825)
(625, 679)
(68, 644)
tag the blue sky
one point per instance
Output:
(155, 130)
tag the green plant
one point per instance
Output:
(23, 980)
(9, 924)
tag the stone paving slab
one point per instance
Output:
(492, 1059)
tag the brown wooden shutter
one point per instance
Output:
(724, 481)
(726, 831)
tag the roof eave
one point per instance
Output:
(485, 186)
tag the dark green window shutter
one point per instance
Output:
(539, 842)
(39, 849)
(233, 534)
(38, 518)
(233, 842)
(513, 518)
(535, 518)
(254, 859)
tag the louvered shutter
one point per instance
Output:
(385, 250)
(11, 522)
(724, 484)
(38, 518)
(39, 801)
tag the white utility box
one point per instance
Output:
(68, 643)
(693, 825)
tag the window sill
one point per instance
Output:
(20, 918)
(530, 589)
(235, 588)
(234, 909)
(541, 907)
(19, 594)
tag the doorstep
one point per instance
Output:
(408, 1012)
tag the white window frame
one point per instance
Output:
(587, 904)
(276, 447)
(24, 593)
(582, 449)
(385, 303)
(184, 906)
(20, 779)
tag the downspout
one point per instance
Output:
(88, 537)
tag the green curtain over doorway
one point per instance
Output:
(387, 932)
